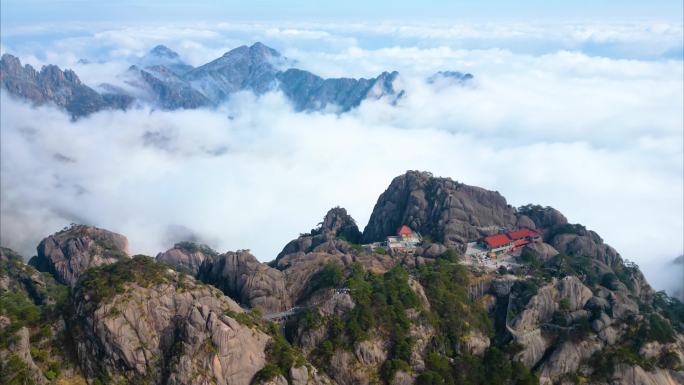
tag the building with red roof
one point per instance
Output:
(504, 242)
(405, 241)
(496, 241)
(404, 230)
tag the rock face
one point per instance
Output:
(242, 277)
(70, 252)
(52, 85)
(336, 225)
(588, 244)
(161, 327)
(310, 92)
(187, 257)
(15, 276)
(540, 250)
(22, 348)
(447, 211)
(167, 89)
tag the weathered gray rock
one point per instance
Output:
(22, 348)
(542, 251)
(18, 277)
(171, 326)
(346, 370)
(186, 257)
(534, 345)
(543, 217)
(52, 85)
(634, 375)
(476, 343)
(308, 375)
(566, 358)
(447, 211)
(541, 307)
(277, 380)
(403, 378)
(371, 352)
(586, 244)
(68, 253)
(242, 277)
(622, 306)
(434, 250)
(331, 236)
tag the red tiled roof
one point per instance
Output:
(404, 230)
(523, 233)
(520, 242)
(497, 240)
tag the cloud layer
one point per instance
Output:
(597, 136)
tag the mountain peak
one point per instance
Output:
(164, 51)
(257, 49)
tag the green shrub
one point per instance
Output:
(267, 373)
(104, 282)
(380, 250)
(329, 276)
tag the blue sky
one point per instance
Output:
(33, 11)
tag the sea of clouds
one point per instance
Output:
(586, 118)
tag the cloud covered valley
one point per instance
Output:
(588, 122)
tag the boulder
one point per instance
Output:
(566, 359)
(187, 257)
(542, 251)
(242, 277)
(447, 211)
(68, 253)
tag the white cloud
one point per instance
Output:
(599, 138)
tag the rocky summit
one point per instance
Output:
(447, 284)
(52, 85)
(163, 80)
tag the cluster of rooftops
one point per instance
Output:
(510, 240)
(407, 239)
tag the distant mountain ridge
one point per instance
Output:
(170, 83)
(62, 88)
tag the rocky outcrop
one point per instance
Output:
(242, 277)
(635, 375)
(17, 277)
(540, 250)
(447, 211)
(187, 257)
(68, 253)
(21, 347)
(52, 85)
(332, 235)
(542, 217)
(543, 305)
(566, 359)
(587, 244)
(161, 327)
(308, 375)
